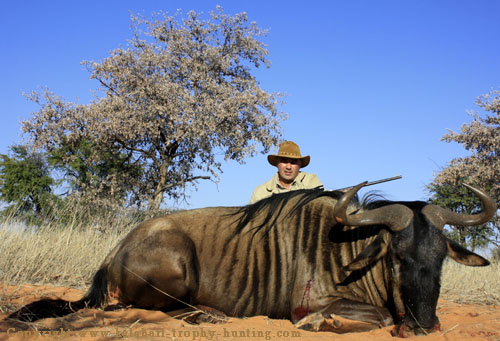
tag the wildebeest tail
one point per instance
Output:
(95, 297)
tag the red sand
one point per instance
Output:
(458, 322)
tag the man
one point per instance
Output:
(289, 177)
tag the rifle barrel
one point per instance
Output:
(374, 182)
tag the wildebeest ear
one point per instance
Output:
(373, 252)
(461, 255)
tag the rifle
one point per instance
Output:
(373, 182)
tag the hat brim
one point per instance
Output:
(274, 159)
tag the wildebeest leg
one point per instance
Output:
(377, 316)
(157, 272)
(359, 311)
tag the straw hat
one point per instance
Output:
(291, 150)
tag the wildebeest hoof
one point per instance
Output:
(404, 331)
(336, 323)
(401, 331)
(311, 322)
(316, 322)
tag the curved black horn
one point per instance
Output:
(396, 216)
(340, 209)
(441, 216)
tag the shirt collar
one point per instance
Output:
(275, 181)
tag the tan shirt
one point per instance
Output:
(302, 181)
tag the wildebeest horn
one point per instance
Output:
(440, 216)
(397, 217)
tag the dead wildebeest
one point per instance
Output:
(294, 255)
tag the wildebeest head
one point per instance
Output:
(416, 248)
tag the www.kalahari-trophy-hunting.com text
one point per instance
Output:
(187, 334)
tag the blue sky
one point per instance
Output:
(371, 86)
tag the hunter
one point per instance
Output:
(289, 161)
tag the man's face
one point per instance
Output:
(288, 169)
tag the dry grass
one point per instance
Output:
(465, 284)
(70, 256)
(51, 255)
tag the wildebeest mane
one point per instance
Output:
(275, 204)
(374, 199)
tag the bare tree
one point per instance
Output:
(178, 97)
(482, 168)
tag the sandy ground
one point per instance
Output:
(458, 322)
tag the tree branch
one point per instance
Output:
(494, 242)
(164, 188)
(108, 87)
(132, 149)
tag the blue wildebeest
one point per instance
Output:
(293, 255)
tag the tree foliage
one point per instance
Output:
(110, 173)
(181, 94)
(480, 169)
(25, 182)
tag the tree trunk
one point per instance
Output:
(157, 199)
(155, 202)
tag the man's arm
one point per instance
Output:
(253, 198)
